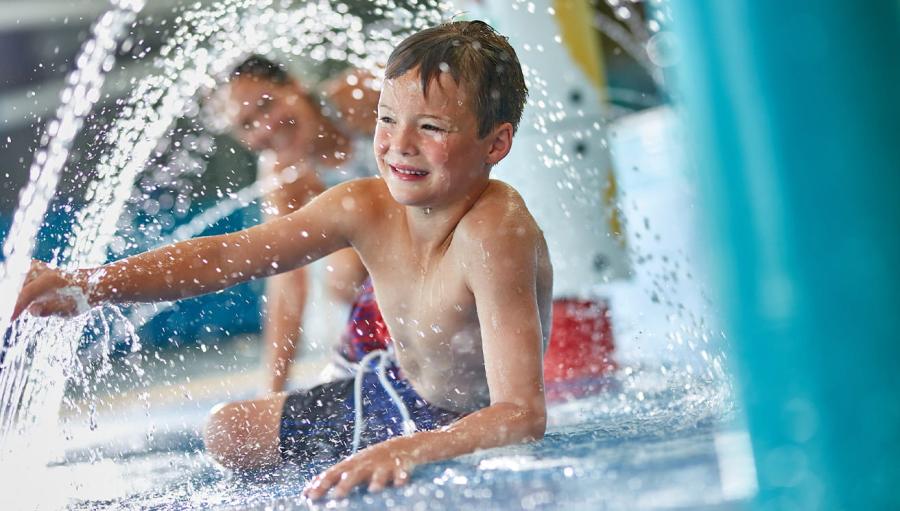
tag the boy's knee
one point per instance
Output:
(223, 433)
(242, 435)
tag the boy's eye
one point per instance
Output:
(432, 127)
(385, 119)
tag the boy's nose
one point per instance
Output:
(404, 141)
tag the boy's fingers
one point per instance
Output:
(17, 310)
(379, 479)
(30, 298)
(349, 480)
(320, 485)
(26, 296)
(38, 266)
(36, 310)
(401, 476)
(51, 306)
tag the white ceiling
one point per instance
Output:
(18, 14)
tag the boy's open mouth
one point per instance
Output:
(406, 172)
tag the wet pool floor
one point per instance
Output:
(572, 468)
(609, 451)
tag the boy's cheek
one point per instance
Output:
(381, 140)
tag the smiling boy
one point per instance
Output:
(460, 269)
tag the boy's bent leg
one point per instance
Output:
(245, 434)
(314, 425)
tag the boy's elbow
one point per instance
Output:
(524, 423)
(536, 423)
(539, 426)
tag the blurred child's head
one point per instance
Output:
(261, 68)
(480, 60)
(267, 106)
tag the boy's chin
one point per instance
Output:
(411, 202)
(405, 198)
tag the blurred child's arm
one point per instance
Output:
(286, 294)
(197, 266)
(503, 279)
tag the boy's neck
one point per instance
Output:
(432, 227)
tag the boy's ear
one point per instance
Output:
(501, 142)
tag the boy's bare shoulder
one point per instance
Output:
(500, 216)
(500, 243)
(353, 207)
(365, 195)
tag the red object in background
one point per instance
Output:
(581, 341)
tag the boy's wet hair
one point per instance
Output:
(257, 66)
(473, 53)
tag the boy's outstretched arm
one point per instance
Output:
(504, 279)
(194, 267)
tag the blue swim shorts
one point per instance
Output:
(318, 423)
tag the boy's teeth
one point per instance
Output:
(410, 172)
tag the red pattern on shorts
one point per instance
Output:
(365, 331)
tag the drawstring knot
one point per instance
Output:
(409, 427)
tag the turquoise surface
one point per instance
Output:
(793, 109)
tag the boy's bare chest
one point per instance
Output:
(424, 306)
(422, 301)
(431, 314)
(424, 298)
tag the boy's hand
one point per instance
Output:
(382, 464)
(51, 292)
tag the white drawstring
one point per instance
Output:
(409, 427)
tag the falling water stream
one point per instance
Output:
(206, 42)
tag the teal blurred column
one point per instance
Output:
(794, 107)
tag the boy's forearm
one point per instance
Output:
(286, 300)
(495, 426)
(181, 270)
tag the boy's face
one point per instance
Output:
(264, 115)
(427, 148)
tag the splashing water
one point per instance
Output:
(39, 353)
(81, 92)
(206, 42)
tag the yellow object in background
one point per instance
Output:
(582, 39)
(583, 42)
